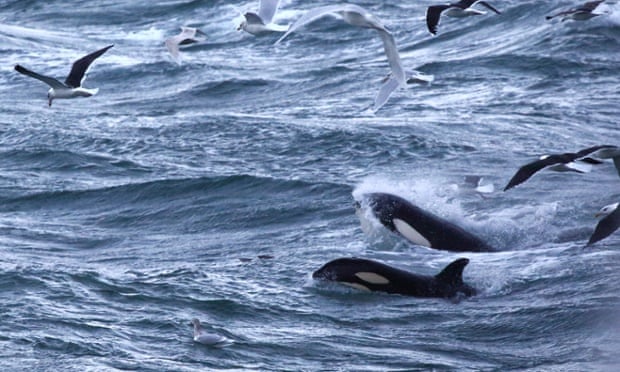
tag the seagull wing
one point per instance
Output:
(80, 67)
(617, 163)
(432, 17)
(210, 339)
(585, 152)
(267, 10)
(488, 6)
(46, 79)
(589, 6)
(172, 44)
(606, 227)
(589, 160)
(384, 92)
(391, 51)
(528, 170)
(189, 33)
(464, 4)
(312, 15)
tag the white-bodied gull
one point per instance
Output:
(72, 87)
(608, 224)
(389, 85)
(262, 22)
(188, 35)
(459, 9)
(580, 13)
(358, 16)
(560, 163)
(205, 338)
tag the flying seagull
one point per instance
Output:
(262, 22)
(608, 152)
(72, 87)
(205, 338)
(390, 83)
(460, 9)
(185, 37)
(580, 13)
(608, 224)
(358, 16)
(559, 163)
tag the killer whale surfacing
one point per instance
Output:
(422, 227)
(372, 275)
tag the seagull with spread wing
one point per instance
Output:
(262, 22)
(459, 9)
(357, 16)
(580, 13)
(608, 224)
(566, 162)
(188, 35)
(72, 87)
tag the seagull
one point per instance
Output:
(204, 338)
(260, 23)
(72, 87)
(580, 13)
(358, 16)
(608, 224)
(559, 163)
(389, 85)
(186, 36)
(460, 9)
(609, 152)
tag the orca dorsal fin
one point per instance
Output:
(453, 273)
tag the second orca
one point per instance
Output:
(375, 276)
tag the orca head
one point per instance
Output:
(451, 278)
(332, 270)
(383, 207)
(397, 215)
(352, 272)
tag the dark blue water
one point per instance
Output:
(125, 215)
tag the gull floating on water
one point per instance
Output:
(205, 338)
(185, 37)
(460, 9)
(358, 16)
(262, 22)
(580, 13)
(72, 87)
(608, 224)
(563, 163)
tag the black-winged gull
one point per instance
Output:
(565, 162)
(580, 13)
(459, 9)
(608, 224)
(72, 87)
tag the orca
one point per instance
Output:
(421, 227)
(371, 275)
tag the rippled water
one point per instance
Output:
(125, 215)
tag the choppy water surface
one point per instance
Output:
(125, 215)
